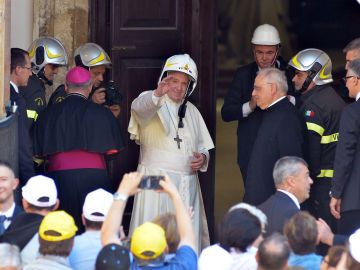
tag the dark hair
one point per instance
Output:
(57, 248)
(273, 252)
(17, 58)
(239, 229)
(39, 208)
(301, 232)
(94, 225)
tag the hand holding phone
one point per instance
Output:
(151, 182)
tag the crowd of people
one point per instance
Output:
(297, 152)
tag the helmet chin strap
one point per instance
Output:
(182, 108)
(41, 75)
(311, 75)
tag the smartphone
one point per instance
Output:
(151, 182)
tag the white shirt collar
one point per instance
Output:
(15, 87)
(9, 213)
(357, 96)
(292, 197)
(276, 101)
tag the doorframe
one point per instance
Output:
(201, 44)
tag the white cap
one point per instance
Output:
(354, 245)
(40, 191)
(97, 201)
(215, 257)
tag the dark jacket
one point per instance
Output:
(279, 208)
(34, 95)
(346, 181)
(321, 107)
(58, 95)
(239, 93)
(26, 165)
(22, 229)
(281, 133)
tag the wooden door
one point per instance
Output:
(140, 35)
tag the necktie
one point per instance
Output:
(2, 227)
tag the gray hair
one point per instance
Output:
(10, 256)
(354, 66)
(253, 210)
(276, 76)
(353, 45)
(287, 166)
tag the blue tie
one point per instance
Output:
(2, 227)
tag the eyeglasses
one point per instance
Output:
(349, 77)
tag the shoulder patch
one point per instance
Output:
(309, 113)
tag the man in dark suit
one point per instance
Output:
(20, 72)
(8, 183)
(292, 181)
(281, 133)
(239, 105)
(345, 202)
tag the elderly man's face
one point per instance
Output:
(263, 92)
(350, 56)
(177, 86)
(8, 184)
(264, 55)
(352, 83)
(302, 183)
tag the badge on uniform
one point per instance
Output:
(309, 113)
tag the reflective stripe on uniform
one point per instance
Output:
(32, 114)
(326, 173)
(315, 127)
(330, 138)
(320, 130)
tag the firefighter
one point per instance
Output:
(321, 107)
(46, 54)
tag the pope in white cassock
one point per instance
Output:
(171, 143)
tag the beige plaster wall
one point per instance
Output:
(66, 20)
(21, 23)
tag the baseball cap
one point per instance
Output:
(40, 191)
(354, 245)
(148, 241)
(113, 257)
(61, 223)
(97, 204)
(78, 75)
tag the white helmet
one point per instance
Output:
(316, 63)
(181, 63)
(266, 34)
(91, 55)
(47, 50)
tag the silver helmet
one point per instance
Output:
(91, 55)
(316, 63)
(47, 50)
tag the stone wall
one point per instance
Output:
(66, 20)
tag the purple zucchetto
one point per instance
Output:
(78, 75)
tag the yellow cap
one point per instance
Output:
(148, 241)
(60, 222)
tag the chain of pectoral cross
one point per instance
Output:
(177, 139)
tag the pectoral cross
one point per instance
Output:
(178, 140)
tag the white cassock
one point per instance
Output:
(154, 125)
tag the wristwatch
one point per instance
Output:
(120, 197)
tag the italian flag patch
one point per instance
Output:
(309, 113)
